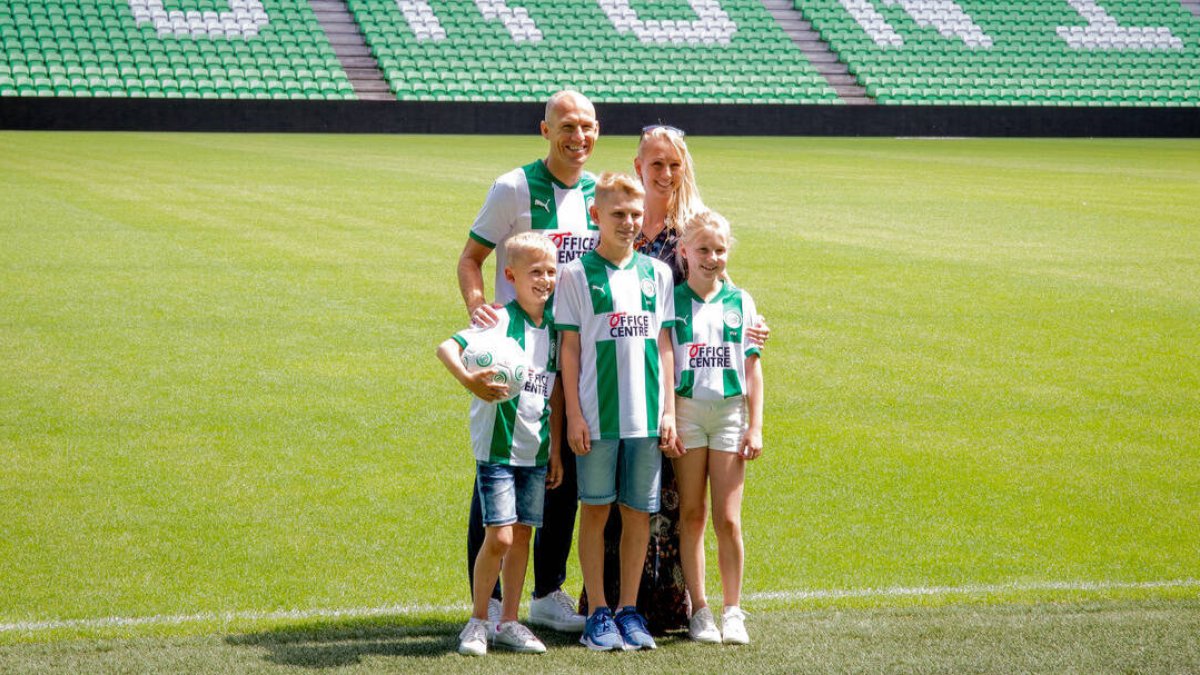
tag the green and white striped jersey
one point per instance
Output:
(517, 432)
(710, 342)
(531, 198)
(618, 313)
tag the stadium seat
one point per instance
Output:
(1121, 62)
(581, 45)
(200, 49)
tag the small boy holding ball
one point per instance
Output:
(516, 457)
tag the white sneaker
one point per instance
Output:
(557, 611)
(702, 627)
(473, 639)
(514, 636)
(493, 617)
(733, 627)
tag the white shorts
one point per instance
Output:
(716, 425)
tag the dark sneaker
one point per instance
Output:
(600, 632)
(633, 629)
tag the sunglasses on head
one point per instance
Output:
(667, 127)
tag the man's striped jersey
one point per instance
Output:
(530, 198)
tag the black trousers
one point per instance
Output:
(551, 541)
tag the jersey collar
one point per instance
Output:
(609, 264)
(725, 289)
(545, 171)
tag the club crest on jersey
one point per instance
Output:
(701, 355)
(570, 245)
(648, 288)
(627, 324)
(733, 318)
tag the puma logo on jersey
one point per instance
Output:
(543, 204)
(598, 289)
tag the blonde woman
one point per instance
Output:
(664, 165)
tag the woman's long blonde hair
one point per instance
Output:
(685, 202)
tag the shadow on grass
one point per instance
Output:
(347, 642)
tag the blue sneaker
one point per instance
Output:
(600, 632)
(633, 629)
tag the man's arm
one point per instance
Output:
(470, 283)
(554, 474)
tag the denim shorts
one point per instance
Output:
(638, 463)
(716, 425)
(510, 494)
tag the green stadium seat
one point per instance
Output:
(109, 35)
(1026, 47)
(574, 34)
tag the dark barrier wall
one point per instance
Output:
(521, 118)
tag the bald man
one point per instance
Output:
(550, 196)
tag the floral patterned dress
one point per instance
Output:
(662, 598)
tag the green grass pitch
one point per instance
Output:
(226, 442)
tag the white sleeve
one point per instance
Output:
(666, 295)
(498, 216)
(475, 334)
(749, 318)
(567, 303)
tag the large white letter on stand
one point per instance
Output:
(515, 20)
(947, 17)
(1103, 32)
(421, 19)
(873, 23)
(712, 25)
(243, 20)
(944, 15)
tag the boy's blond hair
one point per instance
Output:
(522, 247)
(613, 183)
(706, 220)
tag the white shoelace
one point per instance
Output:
(474, 631)
(518, 630)
(563, 600)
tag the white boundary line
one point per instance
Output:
(1071, 586)
(407, 610)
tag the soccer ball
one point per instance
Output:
(503, 354)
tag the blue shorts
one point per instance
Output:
(637, 461)
(510, 494)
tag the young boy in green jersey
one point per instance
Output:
(614, 309)
(516, 458)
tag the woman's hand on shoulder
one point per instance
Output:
(759, 332)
